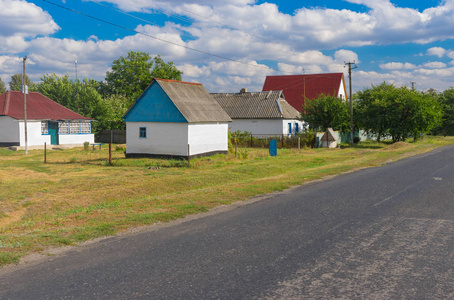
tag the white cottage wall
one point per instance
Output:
(9, 130)
(162, 138)
(294, 126)
(342, 92)
(208, 137)
(76, 139)
(265, 126)
(257, 126)
(34, 136)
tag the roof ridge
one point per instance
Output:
(178, 81)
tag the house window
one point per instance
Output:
(63, 128)
(297, 129)
(44, 127)
(74, 127)
(143, 132)
(289, 128)
(85, 127)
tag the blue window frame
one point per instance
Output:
(143, 132)
(297, 128)
(289, 128)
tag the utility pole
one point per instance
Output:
(413, 85)
(24, 90)
(351, 97)
(77, 88)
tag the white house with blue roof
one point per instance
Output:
(176, 119)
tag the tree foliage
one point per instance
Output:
(446, 100)
(79, 96)
(399, 112)
(327, 112)
(2, 86)
(132, 74)
(16, 83)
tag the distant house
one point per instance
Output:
(47, 122)
(260, 113)
(297, 88)
(171, 115)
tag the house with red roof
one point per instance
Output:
(298, 88)
(47, 122)
(176, 119)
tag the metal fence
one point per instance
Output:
(283, 140)
(111, 136)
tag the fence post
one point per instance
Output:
(299, 142)
(235, 146)
(110, 154)
(189, 156)
(282, 140)
(45, 153)
(251, 140)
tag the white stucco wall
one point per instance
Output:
(34, 136)
(70, 139)
(264, 126)
(342, 91)
(208, 137)
(162, 138)
(173, 138)
(293, 122)
(9, 130)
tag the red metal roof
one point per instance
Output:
(39, 107)
(298, 87)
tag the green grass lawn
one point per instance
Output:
(78, 196)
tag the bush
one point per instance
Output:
(86, 146)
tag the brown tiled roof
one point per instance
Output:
(39, 107)
(298, 87)
(256, 105)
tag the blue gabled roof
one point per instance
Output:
(154, 106)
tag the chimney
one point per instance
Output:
(243, 90)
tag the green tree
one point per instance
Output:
(16, 83)
(80, 96)
(446, 100)
(2, 86)
(115, 109)
(399, 112)
(327, 112)
(132, 74)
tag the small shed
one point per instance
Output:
(329, 139)
(176, 119)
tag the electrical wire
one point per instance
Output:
(176, 16)
(160, 39)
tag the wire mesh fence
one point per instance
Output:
(299, 140)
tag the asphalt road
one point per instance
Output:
(378, 233)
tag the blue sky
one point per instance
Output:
(239, 42)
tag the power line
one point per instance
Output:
(160, 39)
(176, 16)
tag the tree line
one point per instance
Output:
(105, 101)
(385, 111)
